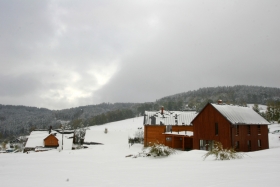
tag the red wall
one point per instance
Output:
(243, 137)
(204, 127)
(154, 134)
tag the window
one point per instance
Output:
(237, 130)
(259, 129)
(168, 128)
(168, 139)
(249, 145)
(237, 145)
(249, 129)
(153, 120)
(201, 144)
(216, 129)
(206, 145)
(259, 143)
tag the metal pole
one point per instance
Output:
(62, 137)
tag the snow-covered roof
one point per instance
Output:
(36, 139)
(240, 115)
(169, 117)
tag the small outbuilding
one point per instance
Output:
(47, 140)
(51, 141)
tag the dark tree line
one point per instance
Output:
(238, 95)
(21, 120)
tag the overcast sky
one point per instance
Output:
(61, 54)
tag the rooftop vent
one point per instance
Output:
(220, 102)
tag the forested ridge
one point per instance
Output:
(238, 95)
(20, 120)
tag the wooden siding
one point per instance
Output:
(177, 128)
(204, 127)
(168, 140)
(243, 137)
(154, 134)
(51, 141)
(178, 141)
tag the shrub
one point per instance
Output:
(4, 145)
(223, 154)
(138, 137)
(157, 149)
(79, 146)
(19, 147)
(134, 140)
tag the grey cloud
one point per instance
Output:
(18, 86)
(199, 46)
(51, 48)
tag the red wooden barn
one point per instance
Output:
(233, 126)
(172, 128)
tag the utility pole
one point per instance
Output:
(62, 136)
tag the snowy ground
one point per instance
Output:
(106, 165)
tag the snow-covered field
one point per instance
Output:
(106, 165)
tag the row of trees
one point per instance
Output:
(238, 95)
(21, 120)
(272, 113)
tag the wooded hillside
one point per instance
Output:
(20, 120)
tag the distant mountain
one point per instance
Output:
(20, 120)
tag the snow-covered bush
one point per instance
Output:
(4, 145)
(223, 154)
(157, 149)
(79, 146)
(19, 147)
(137, 138)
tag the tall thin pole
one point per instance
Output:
(62, 137)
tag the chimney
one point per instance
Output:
(220, 102)
(162, 108)
(50, 129)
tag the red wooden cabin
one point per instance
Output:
(51, 141)
(233, 126)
